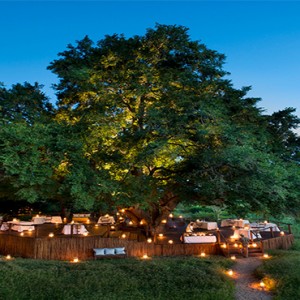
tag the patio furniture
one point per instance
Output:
(106, 220)
(77, 229)
(199, 239)
(234, 222)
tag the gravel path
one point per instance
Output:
(247, 286)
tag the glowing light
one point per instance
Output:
(281, 232)
(170, 215)
(164, 221)
(262, 285)
(88, 221)
(230, 272)
(122, 210)
(180, 217)
(75, 260)
(235, 245)
(22, 234)
(161, 235)
(266, 222)
(145, 256)
(266, 255)
(123, 236)
(130, 223)
(15, 220)
(141, 223)
(170, 241)
(85, 234)
(202, 254)
(149, 240)
(51, 234)
(254, 245)
(96, 225)
(224, 246)
(233, 257)
(8, 257)
(112, 227)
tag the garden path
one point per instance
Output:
(247, 286)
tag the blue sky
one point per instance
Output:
(261, 39)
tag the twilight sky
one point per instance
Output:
(261, 39)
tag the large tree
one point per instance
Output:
(157, 113)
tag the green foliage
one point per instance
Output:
(284, 268)
(142, 118)
(159, 278)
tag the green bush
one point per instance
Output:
(284, 271)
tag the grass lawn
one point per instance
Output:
(282, 271)
(158, 278)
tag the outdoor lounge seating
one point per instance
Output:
(106, 220)
(109, 252)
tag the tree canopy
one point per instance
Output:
(148, 122)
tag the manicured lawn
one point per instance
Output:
(282, 273)
(158, 278)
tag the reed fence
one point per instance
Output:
(66, 248)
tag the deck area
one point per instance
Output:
(37, 243)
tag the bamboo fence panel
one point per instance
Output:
(69, 247)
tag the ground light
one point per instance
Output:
(202, 254)
(233, 257)
(75, 260)
(230, 272)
